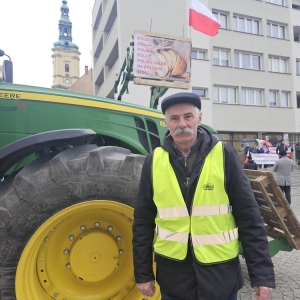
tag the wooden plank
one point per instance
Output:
(297, 240)
(162, 83)
(282, 212)
(278, 217)
(264, 180)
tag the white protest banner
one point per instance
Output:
(264, 158)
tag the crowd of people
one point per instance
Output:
(263, 149)
(282, 167)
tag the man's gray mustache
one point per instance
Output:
(183, 130)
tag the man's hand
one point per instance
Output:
(263, 292)
(147, 288)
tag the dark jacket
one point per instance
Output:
(297, 150)
(189, 279)
(248, 149)
(250, 164)
(281, 147)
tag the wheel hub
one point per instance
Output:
(94, 256)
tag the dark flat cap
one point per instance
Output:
(180, 98)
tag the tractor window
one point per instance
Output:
(67, 69)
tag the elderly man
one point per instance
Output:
(194, 192)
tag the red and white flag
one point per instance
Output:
(202, 19)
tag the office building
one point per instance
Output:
(248, 75)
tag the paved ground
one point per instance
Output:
(287, 264)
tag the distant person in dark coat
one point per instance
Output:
(247, 150)
(298, 151)
(281, 146)
(283, 168)
(250, 164)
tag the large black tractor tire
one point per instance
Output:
(65, 226)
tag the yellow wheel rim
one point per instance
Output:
(83, 252)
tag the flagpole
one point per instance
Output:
(188, 18)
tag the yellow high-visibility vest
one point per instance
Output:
(212, 227)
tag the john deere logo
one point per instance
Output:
(12, 108)
(208, 186)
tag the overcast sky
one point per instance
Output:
(28, 29)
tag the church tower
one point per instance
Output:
(65, 53)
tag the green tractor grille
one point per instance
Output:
(148, 137)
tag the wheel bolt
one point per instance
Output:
(71, 237)
(68, 266)
(53, 229)
(97, 224)
(118, 238)
(66, 251)
(46, 239)
(82, 228)
(117, 266)
(121, 252)
(109, 228)
(55, 294)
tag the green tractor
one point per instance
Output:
(69, 166)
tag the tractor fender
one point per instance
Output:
(18, 150)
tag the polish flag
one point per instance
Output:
(202, 19)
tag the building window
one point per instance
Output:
(200, 92)
(278, 2)
(223, 18)
(297, 67)
(298, 99)
(277, 64)
(296, 32)
(198, 54)
(225, 94)
(245, 25)
(67, 69)
(276, 30)
(247, 61)
(295, 6)
(285, 99)
(251, 96)
(273, 98)
(221, 57)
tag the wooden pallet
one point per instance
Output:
(278, 217)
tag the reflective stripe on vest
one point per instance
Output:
(216, 239)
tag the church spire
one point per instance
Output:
(65, 30)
